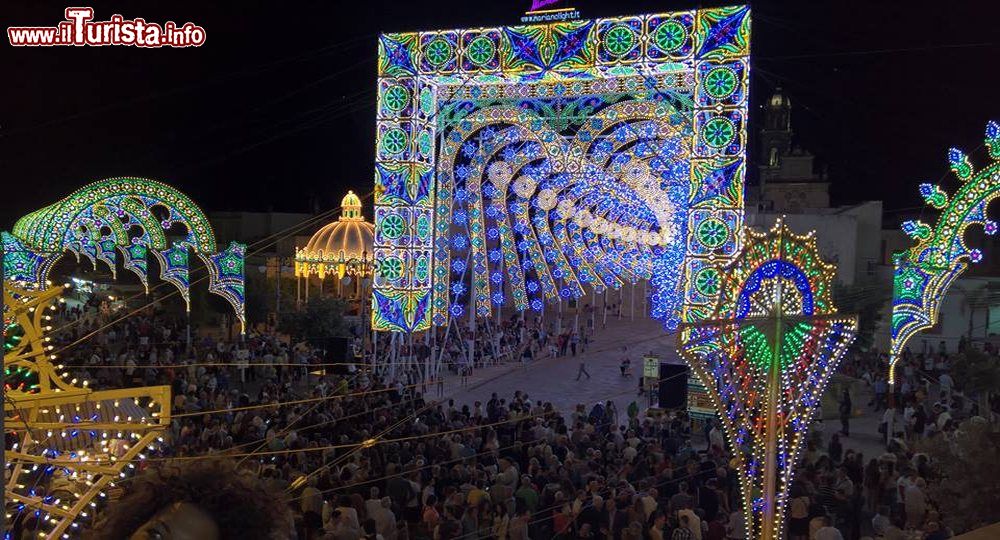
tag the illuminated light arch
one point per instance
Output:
(119, 216)
(72, 443)
(604, 134)
(765, 357)
(923, 273)
(558, 192)
(94, 206)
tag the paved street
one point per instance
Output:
(554, 380)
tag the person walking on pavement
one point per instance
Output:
(626, 363)
(845, 413)
(582, 370)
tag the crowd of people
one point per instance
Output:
(368, 454)
(524, 447)
(924, 401)
(461, 349)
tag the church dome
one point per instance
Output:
(343, 247)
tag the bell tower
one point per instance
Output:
(776, 137)
(787, 181)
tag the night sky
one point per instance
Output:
(277, 108)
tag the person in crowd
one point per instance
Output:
(208, 500)
(845, 409)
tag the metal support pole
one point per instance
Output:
(604, 320)
(559, 318)
(768, 525)
(427, 361)
(593, 309)
(277, 293)
(645, 296)
(410, 359)
(621, 299)
(394, 355)
(631, 301)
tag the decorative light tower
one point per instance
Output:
(72, 443)
(765, 357)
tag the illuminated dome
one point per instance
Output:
(343, 247)
(779, 99)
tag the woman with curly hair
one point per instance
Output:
(196, 500)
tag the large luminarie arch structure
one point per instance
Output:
(519, 165)
(132, 217)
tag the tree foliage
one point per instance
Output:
(967, 492)
(317, 321)
(261, 297)
(869, 302)
(975, 372)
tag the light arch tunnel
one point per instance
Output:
(524, 216)
(569, 165)
(131, 218)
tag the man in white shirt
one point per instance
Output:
(649, 502)
(947, 383)
(715, 437)
(373, 503)
(942, 418)
(904, 482)
(908, 418)
(350, 515)
(385, 519)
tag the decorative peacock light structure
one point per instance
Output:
(765, 357)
